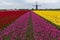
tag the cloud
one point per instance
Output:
(2, 2)
(9, 4)
(12, 4)
(42, 1)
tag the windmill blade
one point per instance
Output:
(33, 5)
(39, 5)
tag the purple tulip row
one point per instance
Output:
(44, 30)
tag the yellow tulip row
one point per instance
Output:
(53, 16)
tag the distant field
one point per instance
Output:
(53, 16)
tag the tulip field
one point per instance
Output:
(29, 25)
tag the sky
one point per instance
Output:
(29, 4)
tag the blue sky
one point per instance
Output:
(28, 4)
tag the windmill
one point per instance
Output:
(36, 5)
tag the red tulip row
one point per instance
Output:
(7, 17)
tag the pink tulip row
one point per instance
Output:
(44, 30)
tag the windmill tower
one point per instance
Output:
(36, 6)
